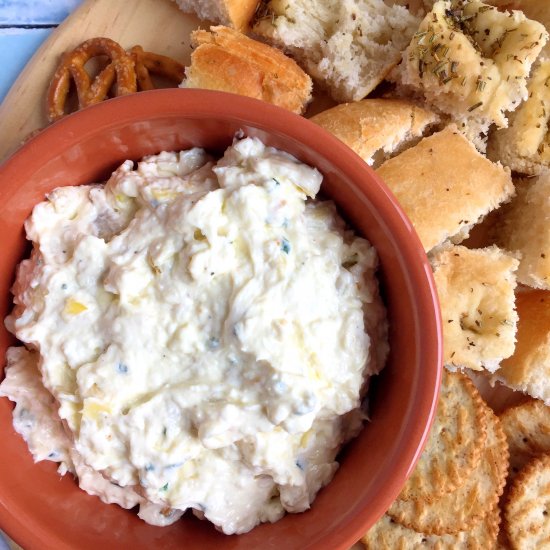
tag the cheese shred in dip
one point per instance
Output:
(198, 336)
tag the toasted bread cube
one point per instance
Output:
(227, 60)
(472, 61)
(524, 227)
(528, 369)
(476, 293)
(445, 186)
(377, 128)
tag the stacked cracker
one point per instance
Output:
(527, 500)
(451, 499)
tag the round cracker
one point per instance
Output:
(527, 429)
(462, 509)
(527, 508)
(390, 535)
(455, 444)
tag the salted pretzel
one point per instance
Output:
(90, 92)
(161, 65)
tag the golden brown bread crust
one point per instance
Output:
(528, 369)
(226, 60)
(445, 186)
(372, 125)
(240, 12)
(527, 523)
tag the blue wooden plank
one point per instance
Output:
(16, 48)
(35, 12)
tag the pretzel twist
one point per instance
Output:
(132, 71)
(88, 91)
(161, 65)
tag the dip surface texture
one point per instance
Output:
(199, 336)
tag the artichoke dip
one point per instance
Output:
(198, 335)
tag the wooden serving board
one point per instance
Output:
(158, 26)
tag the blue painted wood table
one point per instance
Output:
(24, 25)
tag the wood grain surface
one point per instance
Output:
(157, 25)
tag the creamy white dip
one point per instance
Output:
(199, 336)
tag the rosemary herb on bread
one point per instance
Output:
(524, 227)
(472, 61)
(533, 9)
(476, 293)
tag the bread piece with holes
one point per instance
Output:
(476, 293)
(233, 13)
(377, 128)
(445, 186)
(525, 145)
(472, 61)
(528, 369)
(227, 60)
(347, 46)
(523, 227)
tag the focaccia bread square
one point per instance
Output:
(347, 46)
(524, 227)
(476, 294)
(528, 369)
(472, 61)
(525, 145)
(445, 186)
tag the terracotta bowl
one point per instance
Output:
(41, 510)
